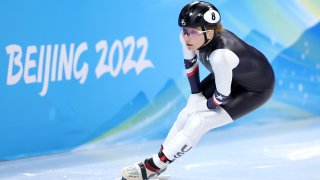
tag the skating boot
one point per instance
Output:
(139, 171)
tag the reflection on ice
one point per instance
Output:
(305, 153)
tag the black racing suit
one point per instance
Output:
(241, 77)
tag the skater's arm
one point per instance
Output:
(191, 66)
(192, 70)
(223, 61)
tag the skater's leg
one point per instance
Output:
(158, 163)
(196, 126)
(207, 85)
(159, 160)
(177, 126)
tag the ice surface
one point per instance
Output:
(278, 150)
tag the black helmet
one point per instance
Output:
(199, 13)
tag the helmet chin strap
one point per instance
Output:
(205, 37)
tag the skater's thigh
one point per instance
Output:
(241, 103)
(214, 119)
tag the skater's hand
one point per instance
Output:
(187, 54)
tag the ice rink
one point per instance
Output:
(89, 87)
(279, 150)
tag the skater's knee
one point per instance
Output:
(195, 126)
(182, 119)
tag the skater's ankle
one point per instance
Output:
(160, 160)
(149, 164)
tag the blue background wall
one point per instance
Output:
(72, 72)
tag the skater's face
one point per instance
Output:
(194, 37)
